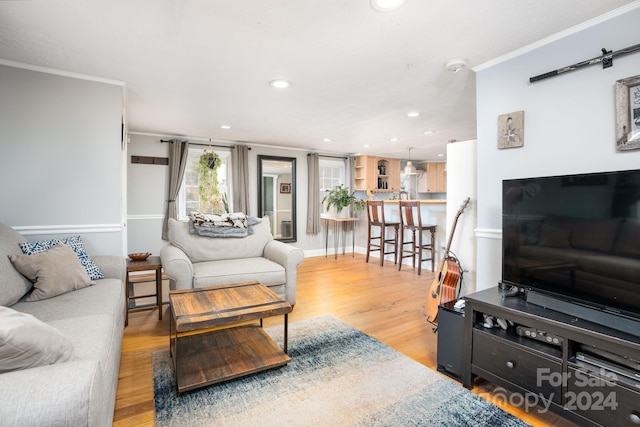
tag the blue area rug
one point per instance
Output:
(338, 376)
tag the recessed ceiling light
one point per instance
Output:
(440, 155)
(327, 140)
(280, 83)
(225, 127)
(413, 114)
(428, 132)
(394, 140)
(386, 5)
(366, 145)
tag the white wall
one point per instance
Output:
(61, 157)
(461, 183)
(569, 121)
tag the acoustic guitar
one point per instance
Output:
(444, 286)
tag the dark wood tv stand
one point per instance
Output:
(589, 375)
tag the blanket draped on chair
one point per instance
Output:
(235, 224)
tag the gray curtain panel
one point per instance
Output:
(240, 179)
(313, 194)
(178, 151)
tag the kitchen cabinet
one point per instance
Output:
(434, 179)
(377, 174)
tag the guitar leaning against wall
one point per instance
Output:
(445, 285)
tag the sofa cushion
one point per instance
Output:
(65, 394)
(105, 297)
(94, 337)
(74, 242)
(13, 285)
(54, 272)
(26, 342)
(213, 273)
(200, 249)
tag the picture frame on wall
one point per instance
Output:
(511, 130)
(285, 188)
(628, 114)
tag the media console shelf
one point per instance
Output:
(586, 372)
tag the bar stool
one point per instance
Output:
(375, 212)
(410, 220)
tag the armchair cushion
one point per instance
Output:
(213, 273)
(200, 249)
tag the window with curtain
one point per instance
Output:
(194, 198)
(332, 172)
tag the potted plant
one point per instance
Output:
(340, 198)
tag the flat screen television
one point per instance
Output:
(576, 238)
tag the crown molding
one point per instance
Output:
(558, 36)
(62, 73)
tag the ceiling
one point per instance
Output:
(193, 66)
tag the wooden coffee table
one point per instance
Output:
(202, 356)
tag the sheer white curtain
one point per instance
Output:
(178, 151)
(313, 194)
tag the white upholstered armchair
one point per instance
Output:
(193, 261)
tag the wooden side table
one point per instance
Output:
(152, 263)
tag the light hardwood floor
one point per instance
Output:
(379, 301)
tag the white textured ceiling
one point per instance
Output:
(191, 66)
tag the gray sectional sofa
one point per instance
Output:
(193, 261)
(80, 389)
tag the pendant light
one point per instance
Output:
(409, 169)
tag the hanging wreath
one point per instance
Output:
(210, 198)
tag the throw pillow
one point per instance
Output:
(75, 242)
(53, 272)
(26, 342)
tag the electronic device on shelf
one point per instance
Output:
(609, 370)
(601, 354)
(538, 335)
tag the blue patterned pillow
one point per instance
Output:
(75, 243)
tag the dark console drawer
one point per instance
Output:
(518, 365)
(601, 400)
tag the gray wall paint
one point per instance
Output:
(61, 162)
(569, 121)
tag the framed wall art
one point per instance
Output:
(511, 130)
(285, 188)
(628, 114)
